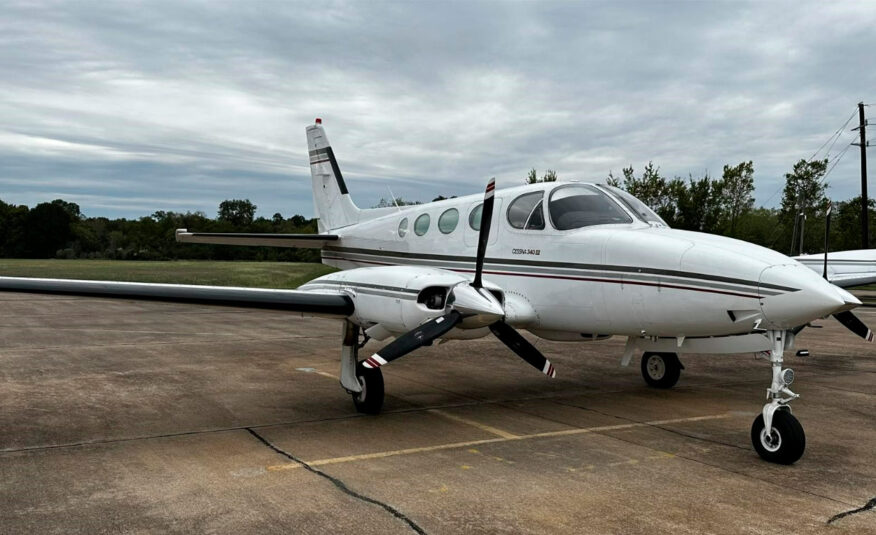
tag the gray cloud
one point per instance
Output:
(129, 108)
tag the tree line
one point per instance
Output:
(58, 229)
(723, 205)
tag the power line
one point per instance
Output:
(836, 161)
(835, 136)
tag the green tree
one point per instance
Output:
(238, 212)
(804, 194)
(845, 224)
(699, 205)
(736, 194)
(532, 177)
(398, 201)
(48, 229)
(759, 226)
(653, 189)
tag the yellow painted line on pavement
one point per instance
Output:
(469, 444)
(483, 427)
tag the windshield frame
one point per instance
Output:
(620, 195)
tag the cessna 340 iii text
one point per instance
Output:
(564, 261)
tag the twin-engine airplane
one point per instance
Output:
(565, 261)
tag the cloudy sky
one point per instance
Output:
(129, 108)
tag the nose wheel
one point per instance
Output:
(784, 443)
(661, 370)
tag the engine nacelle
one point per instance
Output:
(398, 298)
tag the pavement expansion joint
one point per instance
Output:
(340, 484)
(867, 507)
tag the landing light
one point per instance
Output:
(787, 376)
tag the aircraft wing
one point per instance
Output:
(844, 268)
(306, 241)
(312, 303)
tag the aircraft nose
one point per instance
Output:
(793, 295)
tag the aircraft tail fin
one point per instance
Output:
(331, 200)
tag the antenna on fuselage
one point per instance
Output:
(391, 196)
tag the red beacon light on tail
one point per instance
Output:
(318, 120)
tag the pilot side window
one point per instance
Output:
(421, 225)
(526, 211)
(579, 205)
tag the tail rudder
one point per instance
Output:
(331, 200)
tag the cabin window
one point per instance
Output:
(474, 218)
(526, 211)
(403, 228)
(448, 221)
(580, 205)
(421, 225)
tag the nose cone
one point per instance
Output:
(793, 295)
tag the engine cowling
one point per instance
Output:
(398, 298)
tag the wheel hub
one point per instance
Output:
(360, 397)
(656, 367)
(771, 442)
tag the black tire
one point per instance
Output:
(787, 443)
(661, 370)
(370, 399)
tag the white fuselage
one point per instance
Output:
(630, 279)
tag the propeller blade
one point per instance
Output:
(826, 238)
(520, 345)
(415, 339)
(855, 325)
(484, 237)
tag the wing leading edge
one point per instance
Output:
(305, 241)
(333, 305)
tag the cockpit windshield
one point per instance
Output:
(636, 206)
(580, 205)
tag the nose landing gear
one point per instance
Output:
(776, 434)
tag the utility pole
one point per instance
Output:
(865, 224)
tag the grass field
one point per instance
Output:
(250, 274)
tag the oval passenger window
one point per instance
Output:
(448, 220)
(421, 225)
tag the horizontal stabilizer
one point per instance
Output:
(304, 241)
(289, 300)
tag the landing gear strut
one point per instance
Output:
(776, 434)
(661, 370)
(364, 384)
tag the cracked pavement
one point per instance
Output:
(125, 417)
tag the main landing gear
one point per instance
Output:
(661, 370)
(364, 384)
(776, 434)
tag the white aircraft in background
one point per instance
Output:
(566, 261)
(844, 268)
